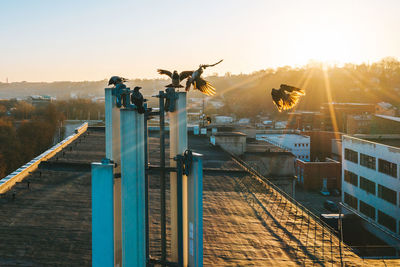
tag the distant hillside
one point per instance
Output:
(250, 93)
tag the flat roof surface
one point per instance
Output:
(392, 118)
(383, 139)
(49, 223)
(281, 138)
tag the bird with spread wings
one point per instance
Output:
(175, 76)
(199, 83)
(193, 78)
(286, 97)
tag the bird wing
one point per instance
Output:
(277, 99)
(290, 101)
(212, 65)
(204, 86)
(293, 89)
(283, 100)
(166, 72)
(184, 74)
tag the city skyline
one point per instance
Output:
(76, 41)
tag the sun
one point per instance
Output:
(324, 45)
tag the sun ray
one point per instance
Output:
(303, 82)
(330, 102)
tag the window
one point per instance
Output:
(387, 167)
(367, 185)
(387, 221)
(351, 155)
(351, 177)
(367, 161)
(387, 194)
(350, 200)
(367, 210)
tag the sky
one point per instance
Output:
(85, 40)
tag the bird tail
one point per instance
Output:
(205, 88)
(293, 89)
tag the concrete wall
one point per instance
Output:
(235, 143)
(278, 167)
(278, 164)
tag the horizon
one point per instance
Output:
(322, 65)
(87, 41)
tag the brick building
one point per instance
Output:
(316, 175)
(334, 115)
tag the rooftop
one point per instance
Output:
(384, 139)
(246, 221)
(280, 138)
(392, 118)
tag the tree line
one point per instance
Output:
(27, 130)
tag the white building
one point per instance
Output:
(223, 119)
(298, 144)
(370, 179)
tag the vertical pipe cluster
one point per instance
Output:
(133, 188)
(162, 181)
(113, 152)
(102, 214)
(178, 145)
(195, 212)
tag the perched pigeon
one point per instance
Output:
(199, 83)
(286, 97)
(116, 80)
(137, 99)
(176, 77)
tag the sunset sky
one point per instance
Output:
(95, 39)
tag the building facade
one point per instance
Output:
(334, 115)
(318, 175)
(382, 124)
(371, 180)
(298, 144)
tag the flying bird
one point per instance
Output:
(286, 97)
(175, 76)
(116, 80)
(137, 99)
(199, 83)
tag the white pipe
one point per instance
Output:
(132, 188)
(113, 152)
(178, 145)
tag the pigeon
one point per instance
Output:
(175, 76)
(199, 83)
(116, 80)
(137, 99)
(286, 97)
